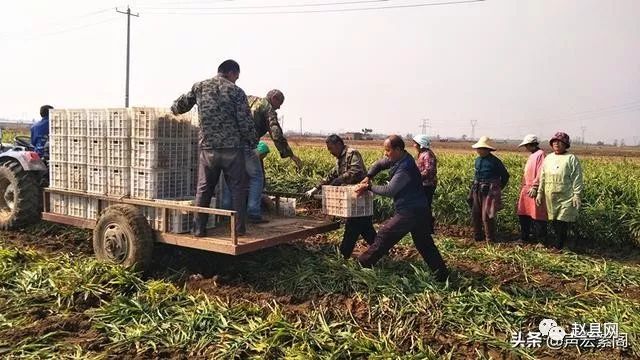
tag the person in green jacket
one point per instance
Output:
(561, 187)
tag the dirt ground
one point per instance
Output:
(220, 276)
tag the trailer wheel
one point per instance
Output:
(20, 196)
(123, 236)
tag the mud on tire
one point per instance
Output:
(20, 196)
(123, 236)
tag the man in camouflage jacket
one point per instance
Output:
(226, 128)
(349, 170)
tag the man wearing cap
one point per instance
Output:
(225, 129)
(428, 166)
(349, 170)
(560, 187)
(410, 204)
(485, 197)
(265, 120)
(528, 213)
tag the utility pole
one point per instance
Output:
(583, 128)
(473, 129)
(426, 123)
(300, 126)
(129, 14)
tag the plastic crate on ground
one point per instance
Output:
(160, 184)
(77, 177)
(342, 201)
(97, 123)
(77, 122)
(161, 154)
(97, 179)
(58, 122)
(58, 204)
(286, 206)
(97, 151)
(119, 123)
(58, 175)
(58, 145)
(77, 206)
(118, 181)
(118, 152)
(77, 149)
(157, 123)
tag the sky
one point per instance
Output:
(514, 66)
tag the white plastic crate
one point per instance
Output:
(58, 175)
(118, 181)
(97, 179)
(157, 123)
(160, 184)
(119, 123)
(58, 148)
(77, 177)
(77, 149)
(58, 122)
(58, 204)
(179, 222)
(342, 201)
(97, 151)
(118, 152)
(286, 206)
(77, 122)
(93, 212)
(77, 206)
(161, 154)
(97, 123)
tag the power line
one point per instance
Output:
(70, 29)
(268, 6)
(48, 24)
(318, 10)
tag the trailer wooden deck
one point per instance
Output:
(221, 239)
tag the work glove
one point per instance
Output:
(532, 192)
(576, 202)
(311, 192)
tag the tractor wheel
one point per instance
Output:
(123, 236)
(20, 196)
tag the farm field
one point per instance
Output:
(303, 301)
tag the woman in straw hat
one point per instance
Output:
(528, 213)
(560, 187)
(428, 166)
(485, 197)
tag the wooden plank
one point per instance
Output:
(150, 203)
(69, 220)
(187, 240)
(260, 244)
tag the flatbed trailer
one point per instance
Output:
(122, 235)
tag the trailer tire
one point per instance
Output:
(123, 236)
(20, 196)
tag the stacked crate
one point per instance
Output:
(161, 163)
(118, 145)
(97, 151)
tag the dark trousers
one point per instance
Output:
(561, 228)
(404, 222)
(229, 162)
(354, 227)
(429, 191)
(527, 224)
(484, 228)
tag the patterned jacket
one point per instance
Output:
(225, 118)
(350, 169)
(265, 120)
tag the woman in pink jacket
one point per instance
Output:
(531, 215)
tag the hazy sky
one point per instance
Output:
(517, 66)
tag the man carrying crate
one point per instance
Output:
(349, 170)
(226, 128)
(410, 203)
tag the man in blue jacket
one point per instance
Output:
(411, 209)
(40, 131)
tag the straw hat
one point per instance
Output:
(485, 143)
(529, 139)
(423, 141)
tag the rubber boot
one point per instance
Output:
(200, 225)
